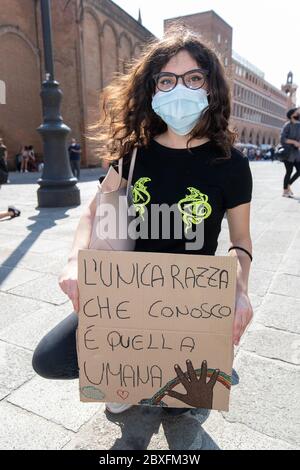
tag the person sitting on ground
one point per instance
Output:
(31, 159)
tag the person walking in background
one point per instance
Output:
(3, 164)
(290, 139)
(272, 152)
(3, 151)
(18, 159)
(11, 210)
(74, 154)
(25, 158)
(251, 154)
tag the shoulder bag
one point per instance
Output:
(114, 210)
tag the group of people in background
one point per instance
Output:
(290, 141)
(260, 154)
(11, 211)
(287, 152)
(26, 161)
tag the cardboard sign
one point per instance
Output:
(156, 328)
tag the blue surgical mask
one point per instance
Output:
(180, 108)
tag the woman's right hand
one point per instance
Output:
(68, 282)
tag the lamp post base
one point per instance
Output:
(58, 197)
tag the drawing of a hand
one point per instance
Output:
(199, 393)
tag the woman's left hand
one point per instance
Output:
(242, 317)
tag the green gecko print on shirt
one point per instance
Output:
(194, 208)
(140, 195)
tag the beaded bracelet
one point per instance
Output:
(241, 248)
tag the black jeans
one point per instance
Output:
(75, 167)
(289, 168)
(55, 357)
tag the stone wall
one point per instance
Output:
(92, 39)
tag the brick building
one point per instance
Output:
(215, 32)
(258, 108)
(92, 39)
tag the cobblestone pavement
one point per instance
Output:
(41, 414)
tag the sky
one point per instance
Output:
(264, 32)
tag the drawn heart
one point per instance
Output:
(123, 394)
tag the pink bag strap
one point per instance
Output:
(120, 166)
(131, 168)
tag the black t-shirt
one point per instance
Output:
(74, 155)
(198, 191)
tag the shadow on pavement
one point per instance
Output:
(45, 219)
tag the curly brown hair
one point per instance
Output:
(129, 119)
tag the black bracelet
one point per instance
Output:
(243, 249)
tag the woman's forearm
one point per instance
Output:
(84, 230)
(292, 142)
(82, 236)
(243, 264)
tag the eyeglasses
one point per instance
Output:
(193, 79)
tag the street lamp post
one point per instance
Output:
(57, 183)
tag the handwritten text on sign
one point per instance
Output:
(156, 328)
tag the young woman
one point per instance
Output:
(175, 106)
(291, 136)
